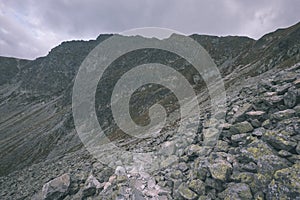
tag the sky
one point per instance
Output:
(31, 28)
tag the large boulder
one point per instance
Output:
(186, 193)
(280, 139)
(284, 114)
(91, 186)
(220, 170)
(286, 184)
(56, 188)
(237, 191)
(242, 127)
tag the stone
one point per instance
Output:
(255, 150)
(169, 161)
(91, 186)
(240, 114)
(267, 124)
(285, 77)
(260, 115)
(211, 136)
(242, 127)
(290, 99)
(284, 153)
(56, 188)
(286, 183)
(220, 170)
(194, 150)
(120, 171)
(186, 193)
(243, 177)
(239, 137)
(284, 114)
(258, 132)
(237, 191)
(197, 186)
(255, 123)
(280, 139)
(281, 89)
(298, 148)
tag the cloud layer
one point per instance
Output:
(29, 29)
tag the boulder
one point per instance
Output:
(290, 99)
(91, 186)
(242, 127)
(286, 184)
(237, 191)
(186, 193)
(56, 188)
(220, 170)
(260, 115)
(280, 139)
(284, 114)
(197, 186)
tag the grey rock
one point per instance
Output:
(237, 191)
(290, 99)
(186, 193)
(56, 188)
(220, 170)
(242, 127)
(285, 114)
(91, 186)
(280, 139)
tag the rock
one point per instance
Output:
(186, 193)
(260, 115)
(169, 161)
(242, 127)
(273, 101)
(211, 137)
(285, 114)
(284, 153)
(222, 146)
(243, 177)
(120, 171)
(298, 148)
(285, 77)
(255, 151)
(267, 124)
(286, 184)
(197, 186)
(280, 139)
(290, 99)
(194, 150)
(255, 123)
(56, 188)
(240, 114)
(236, 191)
(183, 166)
(220, 170)
(91, 186)
(283, 88)
(168, 148)
(297, 110)
(258, 132)
(239, 137)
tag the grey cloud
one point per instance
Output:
(34, 27)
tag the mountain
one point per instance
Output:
(256, 156)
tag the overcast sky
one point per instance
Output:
(30, 28)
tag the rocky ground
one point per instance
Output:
(257, 156)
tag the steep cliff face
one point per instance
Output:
(38, 141)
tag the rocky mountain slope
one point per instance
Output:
(257, 155)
